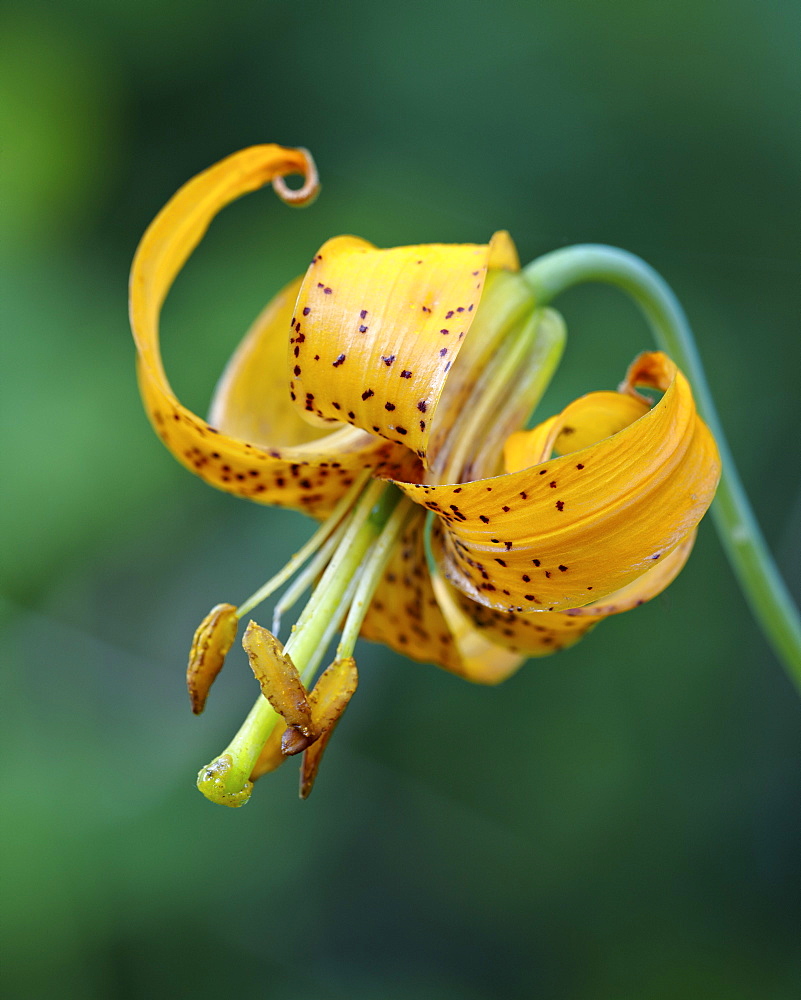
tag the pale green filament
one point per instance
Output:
(333, 624)
(303, 581)
(330, 525)
(371, 573)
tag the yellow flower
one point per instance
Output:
(421, 364)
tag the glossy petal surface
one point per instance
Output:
(304, 474)
(570, 530)
(411, 614)
(377, 331)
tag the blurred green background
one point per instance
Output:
(621, 821)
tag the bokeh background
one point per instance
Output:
(621, 821)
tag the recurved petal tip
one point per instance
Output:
(306, 194)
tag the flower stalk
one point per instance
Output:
(740, 535)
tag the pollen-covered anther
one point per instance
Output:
(278, 678)
(329, 699)
(210, 644)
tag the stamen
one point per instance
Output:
(278, 677)
(304, 580)
(323, 533)
(328, 700)
(212, 640)
(335, 621)
(227, 779)
(371, 573)
(311, 184)
(358, 538)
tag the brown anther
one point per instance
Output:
(210, 644)
(294, 741)
(328, 700)
(278, 677)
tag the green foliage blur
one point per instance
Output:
(621, 821)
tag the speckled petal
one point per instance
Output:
(532, 634)
(585, 421)
(251, 401)
(307, 474)
(377, 331)
(540, 633)
(574, 529)
(407, 615)
(663, 572)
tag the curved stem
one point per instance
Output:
(739, 532)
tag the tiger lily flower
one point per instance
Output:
(383, 393)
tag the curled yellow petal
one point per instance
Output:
(210, 644)
(251, 401)
(278, 678)
(585, 421)
(310, 188)
(377, 331)
(489, 631)
(503, 254)
(573, 529)
(661, 574)
(404, 613)
(413, 613)
(329, 699)
(250, 447)
(483, 658)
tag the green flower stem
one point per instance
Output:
(739, 532)
(226, 780)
